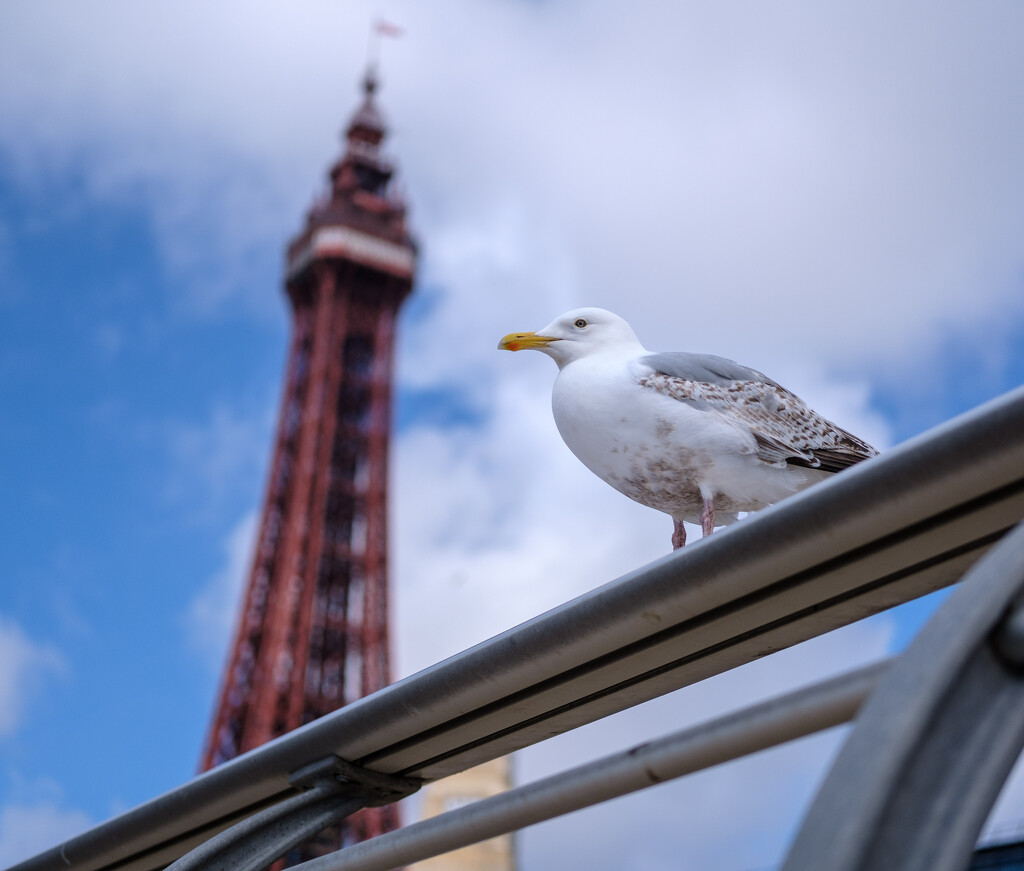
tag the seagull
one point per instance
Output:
(698, 437)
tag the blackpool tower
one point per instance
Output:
(313, 631)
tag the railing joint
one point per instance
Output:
(375, 787)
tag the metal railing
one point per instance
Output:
(933, 742)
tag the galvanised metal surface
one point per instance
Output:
(886, 531)
(931, 749)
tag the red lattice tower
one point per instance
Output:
(313, 632)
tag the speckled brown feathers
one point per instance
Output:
(784, 428)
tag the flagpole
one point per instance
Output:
(378, 29)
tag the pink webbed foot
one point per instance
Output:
(678, 535)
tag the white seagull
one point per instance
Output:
(697, 436)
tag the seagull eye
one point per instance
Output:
(580, 323)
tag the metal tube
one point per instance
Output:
(758, 727)
(254, 843)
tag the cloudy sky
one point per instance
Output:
(832, 195)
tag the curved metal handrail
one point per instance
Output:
(332, 789)
(930, 750)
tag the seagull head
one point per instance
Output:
(577, 333)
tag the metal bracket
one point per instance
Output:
(331, 789)
(375, 787)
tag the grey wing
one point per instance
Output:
(703, 367)
(784, 428)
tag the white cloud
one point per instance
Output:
(499, 525)
(841, 175)
(210, 620)
(780, 185)
(29, 828)
(163, 109)
(25, 665)
(210, 459)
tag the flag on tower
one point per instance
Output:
(387, 29)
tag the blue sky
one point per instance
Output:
(834, 198)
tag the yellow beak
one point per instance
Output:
(524, 341)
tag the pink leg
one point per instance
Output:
(678, 535)
(707, 517)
